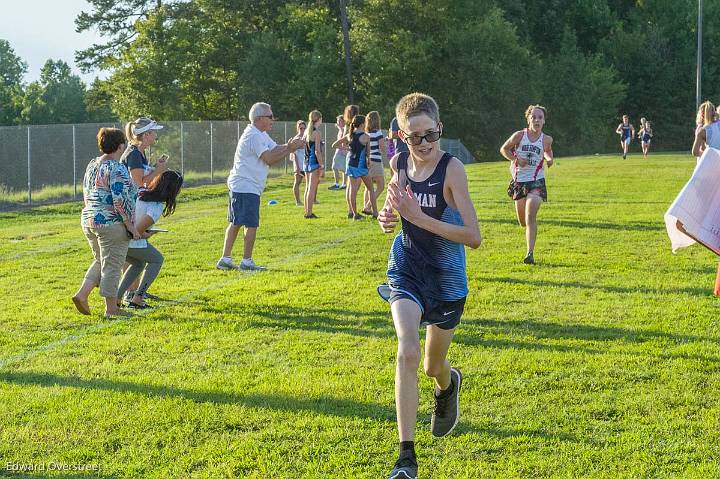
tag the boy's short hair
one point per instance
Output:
(416, 104)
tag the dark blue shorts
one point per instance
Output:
(244, 209)
(443, 314)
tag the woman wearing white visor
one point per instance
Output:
(141, 134)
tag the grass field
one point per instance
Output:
(601, 361)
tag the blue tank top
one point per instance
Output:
(426, 258)
(310, 152)
(625, 131)
(356, 158)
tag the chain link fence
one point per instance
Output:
(46, 163)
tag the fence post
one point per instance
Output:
(29, 183)
(212, 176)
(182, 150)
(74, 166)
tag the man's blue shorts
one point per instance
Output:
(244, 209)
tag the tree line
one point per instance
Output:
(58, 96)
(587, 61)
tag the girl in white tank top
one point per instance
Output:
(707, 132)
(533, 153)
(528, 150)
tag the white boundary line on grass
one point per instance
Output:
(105, 323)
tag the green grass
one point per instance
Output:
(601, 361)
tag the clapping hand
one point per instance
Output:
(162, 163)
(387, 219)
(296, 143)
(403, 201)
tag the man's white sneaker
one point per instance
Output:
(226, 264)
(249, 265)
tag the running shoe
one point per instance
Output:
(405, 467)
(447, 407)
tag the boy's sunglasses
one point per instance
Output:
(431, 137)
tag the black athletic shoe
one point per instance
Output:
(624, 157)
(405, 468)
(358, 217)
(529, 259)
(447, 407)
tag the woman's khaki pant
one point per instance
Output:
(109, 245)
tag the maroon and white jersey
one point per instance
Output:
(534, 153)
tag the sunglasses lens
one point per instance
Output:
(432, 137)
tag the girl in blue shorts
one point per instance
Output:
(312, 166)
(357, 166)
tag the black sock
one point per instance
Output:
(407, 448)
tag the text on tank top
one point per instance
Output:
(534, 153)
(433, 263)
(429, 195)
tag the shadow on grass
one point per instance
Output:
(325, 405)
(701, 292)
(471, 332)
(321, 405)
(634, 226)
(547, 330)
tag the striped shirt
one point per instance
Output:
(375, 137)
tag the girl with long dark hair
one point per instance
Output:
(157, 200)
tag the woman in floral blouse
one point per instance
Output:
(109, 197)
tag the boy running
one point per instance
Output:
(426, 268)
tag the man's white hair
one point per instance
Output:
(259, 109)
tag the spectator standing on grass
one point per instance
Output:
(376, 170)
(109, 201)
(141, 135)
(313, 165)
(256, 152)
(298, 159)
(338, 161)
(394, 134)
(707, 129)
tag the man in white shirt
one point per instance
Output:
(254, 155)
